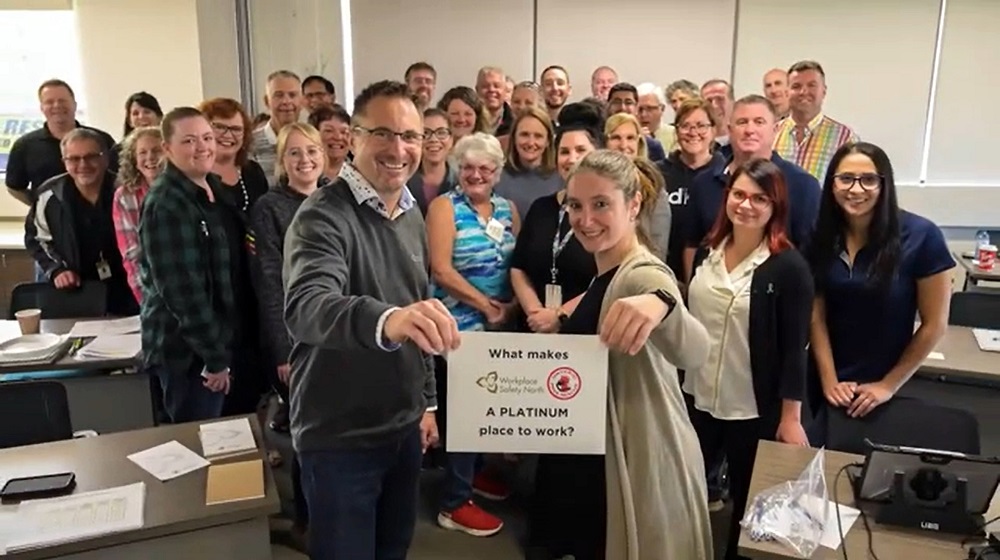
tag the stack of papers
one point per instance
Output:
(988, 341)
(127, 325)
(226, 438)
(111, 347)
(168, 460)
(51, 521)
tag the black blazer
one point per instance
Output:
(781, 298)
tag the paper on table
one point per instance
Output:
(227, 437)
(168, 460)
(831, 533)
(935, 356)
(78, 516)
(111, 347)
(125, 325)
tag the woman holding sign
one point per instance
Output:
(753, 292)
(470, 233)
(635, 306)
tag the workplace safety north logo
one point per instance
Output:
(564, 383)
(495, 383)
(488, 382)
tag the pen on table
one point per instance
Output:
(77, 343)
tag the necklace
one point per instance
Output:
(243, 189)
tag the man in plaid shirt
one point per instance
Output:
(187, 307)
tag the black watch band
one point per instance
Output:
(666, 298)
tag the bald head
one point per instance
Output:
(602, 80)
(776, 89)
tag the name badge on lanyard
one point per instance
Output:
(494, 230)
(103, 268)
(553, 291)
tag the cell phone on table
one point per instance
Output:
(32, 487)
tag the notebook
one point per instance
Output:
(234, 482)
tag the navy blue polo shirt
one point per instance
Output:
(707, 196)
(870, 327)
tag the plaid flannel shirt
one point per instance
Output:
(125, 212)
(188, 304)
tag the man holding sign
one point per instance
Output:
(362, 383)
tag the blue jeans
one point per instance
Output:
(185, 397)
(363, 502)
(459, 472)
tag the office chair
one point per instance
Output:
(33, 412)
(89, 300)
(975, 309)
(904, 421)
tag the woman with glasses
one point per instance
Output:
(695, 132)
(530, 170)
(471, 233)
(752, 292)
(436, 176)
(466, 113)
(877, 270)
(243, 182)
(334, 124)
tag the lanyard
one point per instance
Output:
(558, 244)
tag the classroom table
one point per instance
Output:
(963, 360)
(778, 462)
(104, 395)
(177, 523)
(974, 274)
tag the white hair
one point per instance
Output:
(478, 145)
(647, 88)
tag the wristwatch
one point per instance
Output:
(666, 298)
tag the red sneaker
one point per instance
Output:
(470, 519)
(490, 488)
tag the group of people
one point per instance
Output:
(746, 263)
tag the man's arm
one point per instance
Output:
(38, 238)
(318, 309)
(171, 245)
(16, 175)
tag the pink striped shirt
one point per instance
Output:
(126, 211)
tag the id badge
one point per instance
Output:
(553, 296)
(103, 270)
(494, 230)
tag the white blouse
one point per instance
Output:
(720, 299)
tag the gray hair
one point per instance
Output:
(80, 133)
(478, 145)
(686, 86)
(647, 88)
(487, 70)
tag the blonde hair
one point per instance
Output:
(548, 163)
(305, 129)
(632, 177)
(129, 175)
(618, 119)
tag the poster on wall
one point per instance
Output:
(527, 393)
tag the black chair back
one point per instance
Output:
(975, 309)
(33, 412)
(904, 421)
(89, 300)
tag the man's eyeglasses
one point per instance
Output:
(442, 133)
(384, 135)
(223, 129)
(89, 159)
(868, 181)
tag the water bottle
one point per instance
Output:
(982, 240)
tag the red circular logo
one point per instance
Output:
(564, 383)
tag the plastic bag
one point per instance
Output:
(793, 513)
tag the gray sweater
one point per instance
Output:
(524, 188)
(346, 265)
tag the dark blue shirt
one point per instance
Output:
(654, 149)
(707, 196)
(870, 327)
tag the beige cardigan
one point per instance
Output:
(657, 502)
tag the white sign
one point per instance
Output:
(527, 393)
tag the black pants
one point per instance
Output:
(569, 511)
(737, 441)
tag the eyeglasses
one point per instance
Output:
(483, 170)
(442, 133)
(384, 135)
(89, 159)
(222, 129)
(697, 127)
(868, 181)
(756, 200)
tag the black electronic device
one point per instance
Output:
(43, 486)
(929, 489)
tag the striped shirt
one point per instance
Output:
(481, 260)
(823, 137)
(264, 150)
(125, 212)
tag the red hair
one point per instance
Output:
(226, 108)
(771, 180)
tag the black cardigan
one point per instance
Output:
(781, 298)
